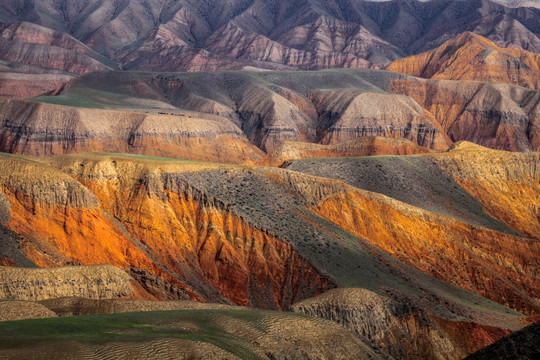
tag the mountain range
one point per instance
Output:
(247, 179)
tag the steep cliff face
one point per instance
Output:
(498, 116)
(401, 330)
(472, 57)
(197, 246)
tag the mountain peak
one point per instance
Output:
(473, 57)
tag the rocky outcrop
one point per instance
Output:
(93, 282)
(345, 115)
(472, 57)
(400, 330)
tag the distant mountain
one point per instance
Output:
(472, 57)
(165, 35)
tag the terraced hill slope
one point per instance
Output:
(473, 57)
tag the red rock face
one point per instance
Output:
(472, 57)
(270, 238)
(205, 252)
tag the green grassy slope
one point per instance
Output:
(251, 334)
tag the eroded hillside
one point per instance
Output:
(269, 238)
(237, 116)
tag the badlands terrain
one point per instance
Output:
(245, 179)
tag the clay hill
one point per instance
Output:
(240, 116)
(472, 57)
(191, 35)
(444, 248)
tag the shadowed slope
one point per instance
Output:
(521, 345)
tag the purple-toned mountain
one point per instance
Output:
(165, 35)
